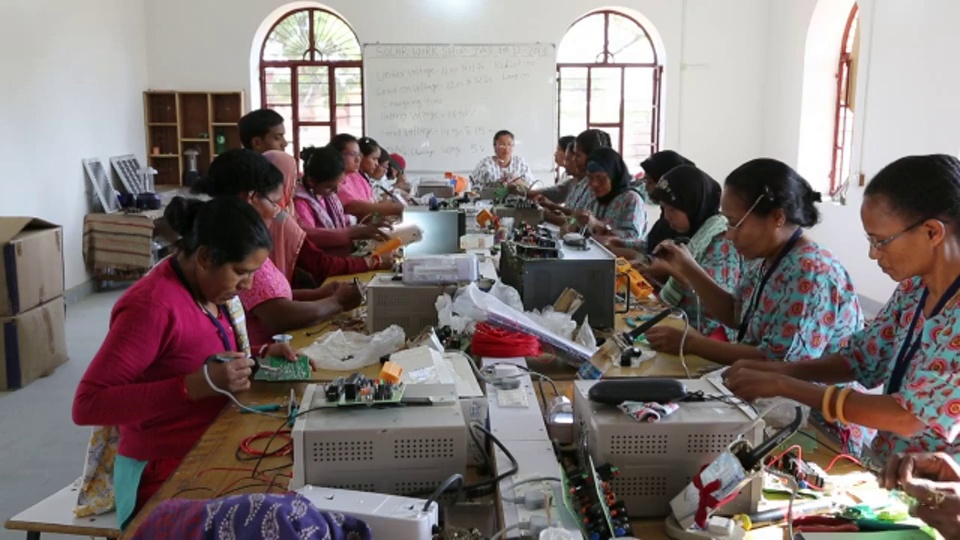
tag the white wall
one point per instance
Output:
(714, 52)
(907, 104)
(74, 73)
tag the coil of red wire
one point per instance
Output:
(496, 342)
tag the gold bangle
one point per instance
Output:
(841, 399)
(825, 404)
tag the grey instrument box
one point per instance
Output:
(397, 451)
(411, 307)
(532, 216)
(657, 460)
(440, 190)
(591, 272)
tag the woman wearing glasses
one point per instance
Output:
(355, 192)
(910, 212)
(272, 305)
(502, 167)
(794, 299)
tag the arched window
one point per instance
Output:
(608, 77)
(843, 113)
(311, 72)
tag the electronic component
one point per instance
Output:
(408, 305)
(542, 268)
(390, 373)
(442, 189)
(393, 450)
(592, 498)
(451, 268)
(658, 460)
(387, 516)
(522, 431)
(359, 390)
(281, 369)
(520, 210)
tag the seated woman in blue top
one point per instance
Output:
(614, 208)
(910, 212)
(794, 299)
(690, 204)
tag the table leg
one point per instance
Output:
(33, 535)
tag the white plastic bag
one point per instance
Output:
(507, 294)
(351, 351)
(561, 324)
(447, 315)
(585, 335)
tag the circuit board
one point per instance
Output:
(285, 370)
(588, 496)
(357, 390)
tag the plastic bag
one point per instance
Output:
(351, 351)
(561, 324)
(447, 315)
(507, 294)
(585, 335)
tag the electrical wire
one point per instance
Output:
(285, 450)
(793, 496)
(683, 340)
(502, 533)
(847, 457)
(514, 464)
(496, 342)
(215, 388)
(453, 479)
(487, 463)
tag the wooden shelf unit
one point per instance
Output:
(177, 121)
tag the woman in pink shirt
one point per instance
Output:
(318, 209)
(149, 376)
(272, 306)
(355, 191)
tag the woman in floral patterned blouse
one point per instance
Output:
(502, 167)
(794, 299)
(690, 203)
(615, 209)
(910, 213)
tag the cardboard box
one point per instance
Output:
(31, 272)
(32, 344)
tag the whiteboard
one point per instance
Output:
(440, 105)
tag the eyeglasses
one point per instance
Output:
(351, 154)
(880, 244)
(504, 145)
(271, 201)
(745, 216)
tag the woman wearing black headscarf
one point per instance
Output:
(615, 209)
(654, 167)
(690, 202)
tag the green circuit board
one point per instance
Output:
(298, 370)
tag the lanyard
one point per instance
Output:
(910, 346)
(224, 336)
(748, 314)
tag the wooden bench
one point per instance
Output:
(55, 515)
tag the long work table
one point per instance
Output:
(213, 467)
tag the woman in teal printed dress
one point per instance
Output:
(910, 212)
(794, 299)
(690, 203)
(615, 209)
